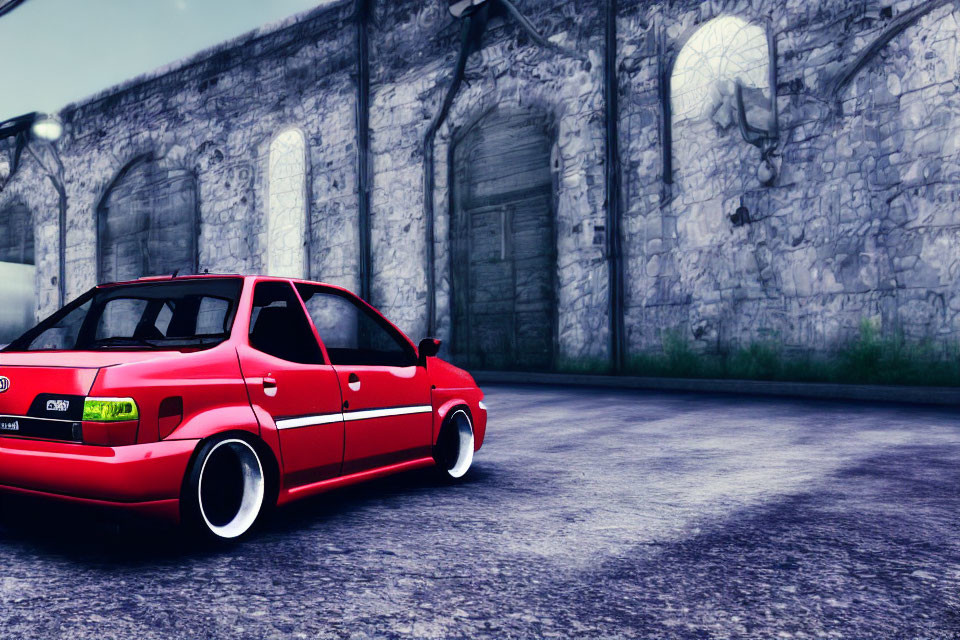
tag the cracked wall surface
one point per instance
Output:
(861, 222)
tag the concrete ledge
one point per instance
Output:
(945, 396)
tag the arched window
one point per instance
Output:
(722, 51)
(287, 207)
(147, 222)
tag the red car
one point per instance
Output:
(210, 399)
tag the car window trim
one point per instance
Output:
(363, 307)
(313, 328)
(303, 310)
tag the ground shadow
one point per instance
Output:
(106, 537)
(870, 552)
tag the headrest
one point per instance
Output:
(279, 332)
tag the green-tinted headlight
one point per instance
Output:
(110, 409)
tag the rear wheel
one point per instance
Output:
(226, 489)
(454, 450)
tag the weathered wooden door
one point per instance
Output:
(148, 224)
(504, 246)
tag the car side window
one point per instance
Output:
(279, 327)
(352, 334)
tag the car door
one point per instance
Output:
(386, 396)
(286, 375)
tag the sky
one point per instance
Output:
(55, 52)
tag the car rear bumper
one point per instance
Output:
(144, 477)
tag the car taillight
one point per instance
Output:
(110, 409)
(110, 421)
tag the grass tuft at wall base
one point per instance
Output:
(869, 359)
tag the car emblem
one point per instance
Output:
(58, 405)
(4, 383)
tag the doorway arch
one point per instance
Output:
(503, 243)
(147, 223)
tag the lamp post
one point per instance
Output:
(6, 6)
(461, 8)
(25, 128)
(46, 129)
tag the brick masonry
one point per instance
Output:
(861, 221)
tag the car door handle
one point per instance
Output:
(270, 387)
(353, 381)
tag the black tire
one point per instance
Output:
(227, 489)
(454, 449)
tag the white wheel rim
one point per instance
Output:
(465, 445)
(253, 489)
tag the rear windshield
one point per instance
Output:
(142, 316)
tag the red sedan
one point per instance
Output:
(210, 399)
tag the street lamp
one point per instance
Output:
(47, 128)
(460, 8)
(7, 6)
(43, 126)
(30, 126)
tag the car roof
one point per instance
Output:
(248, 278)
(217, 276)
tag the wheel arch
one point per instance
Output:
(447, 409)
(271, 466)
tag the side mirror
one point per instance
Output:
(428, 348)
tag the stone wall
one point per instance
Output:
(859, 223)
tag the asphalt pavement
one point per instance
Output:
(589, 513)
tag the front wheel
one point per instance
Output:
(454, 450)
(225, 489)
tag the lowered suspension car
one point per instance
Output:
(208, 400)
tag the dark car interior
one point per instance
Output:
(279, 327)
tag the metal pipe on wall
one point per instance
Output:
(363, 144)
(56, 176)
(611, 90)
(664, 69)
(470, 34)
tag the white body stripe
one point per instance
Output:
(309, 421)
(365, 414)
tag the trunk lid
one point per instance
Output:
(34, 378)
(26, 384)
